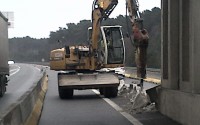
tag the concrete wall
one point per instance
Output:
(23, 112)
(179, 96)
(180, 106)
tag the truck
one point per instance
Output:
(4, 67)
(90, 66)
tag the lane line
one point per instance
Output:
(15, 70)
(38, 68)
(133, 120)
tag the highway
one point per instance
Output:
(86, 108)
(22, 77)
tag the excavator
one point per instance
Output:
(86, 67)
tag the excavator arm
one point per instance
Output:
(133, 8)
(140, 38)
(101, 11)
(139, 33)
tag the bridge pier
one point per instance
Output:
(179, 96)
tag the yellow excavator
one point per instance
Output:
(83, 67)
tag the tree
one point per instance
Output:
(30, 49)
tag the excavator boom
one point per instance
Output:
(106, 7)
(101, 10)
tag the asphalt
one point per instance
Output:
(88, 108)
(154, 118)
(145, 118)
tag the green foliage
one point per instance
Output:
(27, 49)
(72, 35)
(152, 22)
(30, 49)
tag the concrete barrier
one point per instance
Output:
(21, 113)
(148, 69)
(130, 72)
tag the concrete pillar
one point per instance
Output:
(189, 46)
(185, 47)
(179, 96)
(195, 44)
(170, 43)
(164, 42)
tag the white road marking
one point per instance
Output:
(133, 120)
(15, 70)
(38, 68)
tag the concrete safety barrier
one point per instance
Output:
(148, 79)
(27, 109)
(130, 72)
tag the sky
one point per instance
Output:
(37, 18)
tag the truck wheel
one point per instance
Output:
(65, 93)
(1, 90)
(110, 92)
(2, 86)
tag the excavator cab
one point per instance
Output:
(111, 50)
